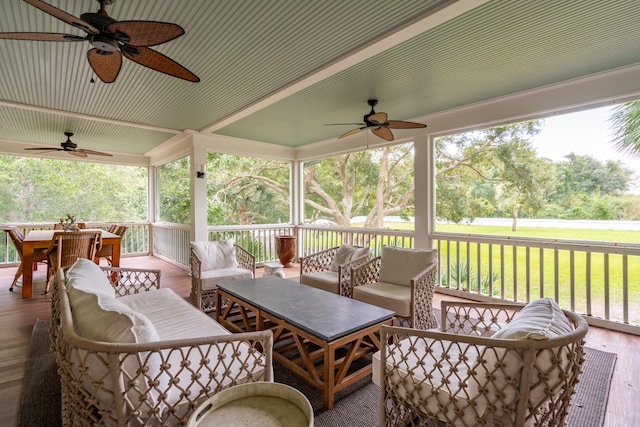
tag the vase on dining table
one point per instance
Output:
(286, 249)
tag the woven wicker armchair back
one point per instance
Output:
(106, 251)
(462, 376)
(17, 238)
(67, 246)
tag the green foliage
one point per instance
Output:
(43, 190)
(246, 190)
(371, 183)
(458, 277)
(626, 122)
(496, 173)
(174, 185)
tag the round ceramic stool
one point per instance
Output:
(259, 404)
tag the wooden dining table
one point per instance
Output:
(40, 239)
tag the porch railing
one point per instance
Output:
(598, 279)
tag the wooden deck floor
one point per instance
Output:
(17, 317)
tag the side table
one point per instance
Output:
(273, 269)
(259, 404)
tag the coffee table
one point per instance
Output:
(317, 334)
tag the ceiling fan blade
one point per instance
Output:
(344, 124)
(106, 67)
(96, 153)
(351, 132)
(378, 118)
(44, 150)
(159, 62)
(77, 153)
(399, 124)
(383, 133)
(45, 37)
(146, 33)
(63, 16)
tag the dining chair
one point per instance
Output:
(106, 251)
(39, 255)
(67, 246)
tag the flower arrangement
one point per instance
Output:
(69, 223)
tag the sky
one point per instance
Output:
(585, 133)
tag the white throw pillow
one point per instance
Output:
(539, 320)
(345, 254)
(86, 276)
(216, 255)
(101, 318)
(400, 265)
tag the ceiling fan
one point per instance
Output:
(379, 124)
(112, 39)
(71, 148)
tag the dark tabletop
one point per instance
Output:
(322, 314)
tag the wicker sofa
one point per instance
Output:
(490, 365)
(145, 356)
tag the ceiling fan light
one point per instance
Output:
(103, 43)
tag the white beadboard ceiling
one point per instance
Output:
(276, 71)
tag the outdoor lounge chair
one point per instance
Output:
(479, 370)
(217, 262)
(330, 269)
(401, 280)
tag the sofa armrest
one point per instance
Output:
(368, 272)
(423, 286)
(127, 281)
(344, 274)
(245, 259)
(319, 261)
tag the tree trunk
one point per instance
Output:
(514, 224)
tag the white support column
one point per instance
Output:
(296, 198)
(424, 175)
(199, 194)
(152, 202)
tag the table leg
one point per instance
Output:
(115, 259)
(329, 376)
(116, 254)
(27, 270)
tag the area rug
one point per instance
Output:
(356, 406)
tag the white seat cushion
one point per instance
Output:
(173, 317)
(211, 278)
(393, 297)
(325, 280)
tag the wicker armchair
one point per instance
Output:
(213, 263)
(330, 269)
(479, 371)
(106, 251)
(39, 255)
(67, 246)
(401, 280)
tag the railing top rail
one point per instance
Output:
(360, 230)
(621, 248)
(248, 227)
